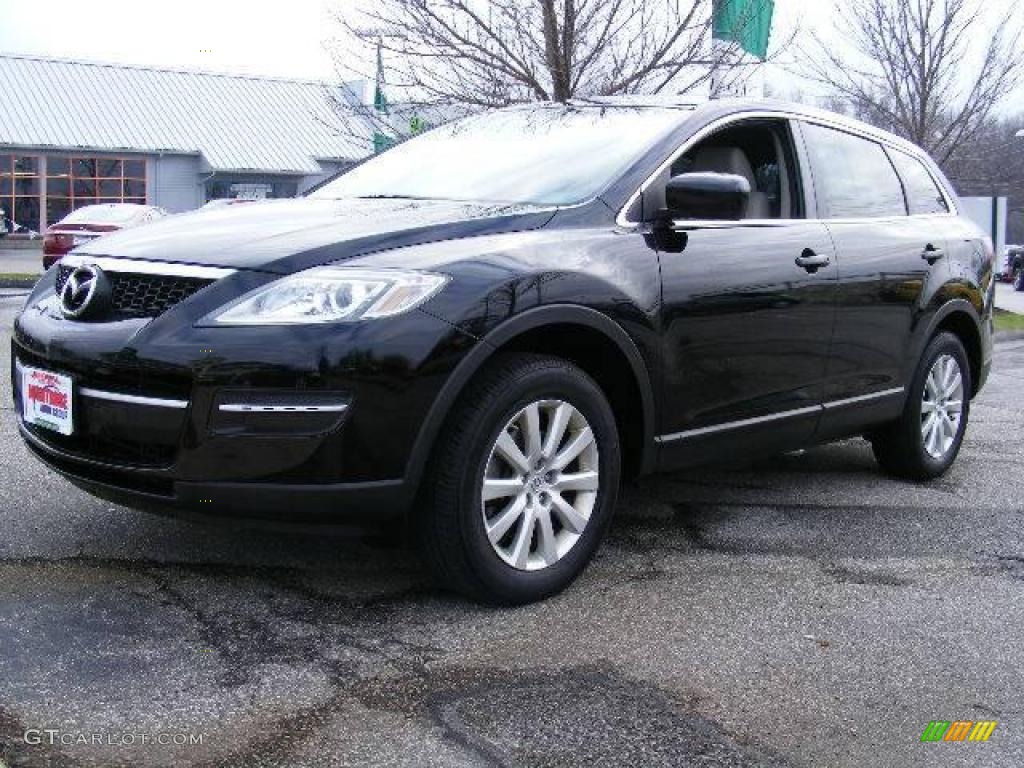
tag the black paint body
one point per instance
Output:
(712, 323)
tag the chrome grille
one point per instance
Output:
(143, 295)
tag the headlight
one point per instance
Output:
(330, 295)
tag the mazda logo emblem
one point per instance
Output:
(86, 293)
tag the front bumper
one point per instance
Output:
(248, 502)
(290, 424)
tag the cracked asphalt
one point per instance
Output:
(799, 611)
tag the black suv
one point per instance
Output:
(482, 330)
(1015, 266)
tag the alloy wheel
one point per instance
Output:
(540, 484)
(941, 406)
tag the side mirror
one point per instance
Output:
(713, 196)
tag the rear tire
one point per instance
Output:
(1018, 279)
(523, 430)
(926, 439)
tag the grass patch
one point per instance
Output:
(1008, 321)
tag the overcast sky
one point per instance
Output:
(263, 38)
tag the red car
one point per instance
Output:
(91, 221)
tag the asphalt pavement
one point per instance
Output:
(803, 610)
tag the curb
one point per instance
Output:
(18, 282)
(7, 244)
(1008, 335)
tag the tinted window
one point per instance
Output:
(923, 194)
(853, 176)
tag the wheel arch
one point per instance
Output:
(543, 330)
(960, 318)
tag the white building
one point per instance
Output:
(74, 133)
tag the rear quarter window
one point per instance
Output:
(923, 194)
(853, 176)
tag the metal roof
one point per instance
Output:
(236, 123)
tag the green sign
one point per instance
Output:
(747, 23)
(417, 125)
(381, 142)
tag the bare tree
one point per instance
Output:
(993, 164)
(490, 53)
(913, 71)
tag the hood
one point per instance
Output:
(285, 235)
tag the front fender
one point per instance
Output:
(560, 314)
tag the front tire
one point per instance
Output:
(522, 483)
(926, 439)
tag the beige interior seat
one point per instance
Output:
(734, 160)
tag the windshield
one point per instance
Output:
(554, 155)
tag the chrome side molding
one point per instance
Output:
(117, 397)
(737, 424)
(863, 398)
(729, 425)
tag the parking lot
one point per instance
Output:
(1009, 299)
(803, 611)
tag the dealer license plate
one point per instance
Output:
(46, 399)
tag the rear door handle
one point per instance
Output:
(812, 261)
(931, 254)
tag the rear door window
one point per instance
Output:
(853, 176)
(923, 194)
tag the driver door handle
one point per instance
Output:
(812, 261)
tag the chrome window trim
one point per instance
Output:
(117, 397)
(142, 267)
(623, 221)
(730, 425)
(730, 224)
(260, 408)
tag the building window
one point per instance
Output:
(245, 188)
(19, 191)
(72, 182)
